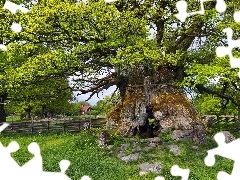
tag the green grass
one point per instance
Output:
(86, 158)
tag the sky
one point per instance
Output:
(95, 99)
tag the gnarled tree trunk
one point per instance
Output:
(155, 99)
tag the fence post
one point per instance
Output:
(32, 128)
(90, 120)
(48, 125)
(12, 123)
(63, 126)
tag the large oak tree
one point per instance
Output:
(63, 38)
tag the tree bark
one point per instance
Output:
(3, 117)
(156, 98)
(28, 113)
(239, 119)
(42, 115)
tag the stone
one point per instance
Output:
(182, 135)
(136, 149)
(175, 149)
(146, 167)
(199, 133)
(152, 144)
(86, 126)
(155, 140)
(124, 146)
(121, 154)
(103, 139)
(111, 125)
(158, 115)
(228, 136)
(131, 157)
(147, 148)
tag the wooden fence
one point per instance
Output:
(214, 119)
(46, 126)
(77, 125)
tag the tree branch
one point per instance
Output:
(203, 90)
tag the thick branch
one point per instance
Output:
(102, 84)
(203, 89)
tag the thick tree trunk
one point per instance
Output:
(28, 111)
(42, 115)
(3, 97)
(156, 99)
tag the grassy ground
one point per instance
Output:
(86, 158)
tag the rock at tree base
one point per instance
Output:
(182, 135)
(146, 167)
(124, 146)
(199, 133)
(155, 140)
(131, 157)
(103, 139)
(175, 149)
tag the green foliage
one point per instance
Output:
(208, 104)
(65, 38)
(51, 95)
(75, 108)
(104, 106)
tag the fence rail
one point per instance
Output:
(46, 126)
(214, 119)
(63, 125)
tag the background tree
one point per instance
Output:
(75, 108)
(50, 97)
(106, 104)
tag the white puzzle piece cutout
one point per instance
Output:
(182, 9)
(236, 16)
(33, 169)
(223, 51)
(16, 27)
(227, 150)
(177, 171)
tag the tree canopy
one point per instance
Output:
(86, 40)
